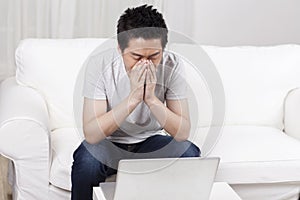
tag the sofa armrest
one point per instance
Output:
(292, 113)
(20, 102)
(24, 139)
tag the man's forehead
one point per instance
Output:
(141, 43)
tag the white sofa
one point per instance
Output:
(260, 141)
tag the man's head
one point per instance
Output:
(142, 34)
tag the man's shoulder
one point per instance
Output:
(107, 55)
(172, 61)
(171, 58)
(102, 60)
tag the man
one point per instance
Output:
(132, 94)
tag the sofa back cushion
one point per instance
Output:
(256, 80)
(51, 67)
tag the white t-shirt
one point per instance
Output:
(106, 79)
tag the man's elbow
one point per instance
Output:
(182, 136)
(184, 133)
(91, 138)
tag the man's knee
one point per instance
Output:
(190, 150)
(85, 164)
(87, 172)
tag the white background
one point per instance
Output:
(215, 22)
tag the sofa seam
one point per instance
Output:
(284, 105)
(5, 122)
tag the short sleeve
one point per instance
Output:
(94, 87)
(177, 87)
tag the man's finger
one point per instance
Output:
(153, 72)
(141, 71)
(134, 66)
(137, 65)
(143, 75)
(148, 77)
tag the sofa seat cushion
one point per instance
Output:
(249, 154)
(257, 154)
(64, 142)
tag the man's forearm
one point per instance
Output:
(102, 126)
(177, 126)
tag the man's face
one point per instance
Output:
(139, 48)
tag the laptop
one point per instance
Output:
(163, 179)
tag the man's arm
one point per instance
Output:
(175, 117)
(98, 123)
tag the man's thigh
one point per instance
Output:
(160, 146)
(107, 153)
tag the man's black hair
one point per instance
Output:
(141, 22)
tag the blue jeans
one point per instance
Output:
(94, 163)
